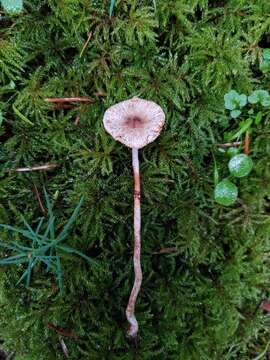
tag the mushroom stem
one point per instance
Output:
(130, 310)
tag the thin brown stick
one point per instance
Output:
(62, 106)
(64, 348)
(77, 120)
(35, 168)
(61, 331)
(231, 144)
(130, 310)
(69, 99)
(246, 143)
(39, 200)
(86, 43)
(100, 94)
(166, 250)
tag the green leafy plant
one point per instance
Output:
(265, 64)
(253, 109)
(42, 246)
(226, 191)
(260, 96)
(112, 3)
(234, 102)
(12, 6)
(240, 165)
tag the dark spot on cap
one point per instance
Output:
(134, 122)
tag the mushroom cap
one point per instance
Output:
(135, 122)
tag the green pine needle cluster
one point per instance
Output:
(201, 298)
(45, 248)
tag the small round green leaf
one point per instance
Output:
(265, 65)
(235, 113)
(266, 54)
(266, 102)
(226, 193)
(242, 99)
(12, 6)
(232, 151)
(240, 165)
(258, 96)
(234, 101)
(230, 100)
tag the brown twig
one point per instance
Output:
(69, 99)
(61, 331)
(246, 143)
(232, 144)
(86, 43)
(35, 168)
(39, 200)
(100, 94)
(167, 250)
(77, 120)
(130, 310)
(64, 348)
(62, 106)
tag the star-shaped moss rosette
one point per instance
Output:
(135, 123)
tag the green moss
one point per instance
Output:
(200, 302)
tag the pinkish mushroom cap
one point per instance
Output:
(135, 122)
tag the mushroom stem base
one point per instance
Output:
(130, 310)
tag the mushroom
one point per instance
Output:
(135, 123)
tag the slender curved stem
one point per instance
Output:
(130, 310)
